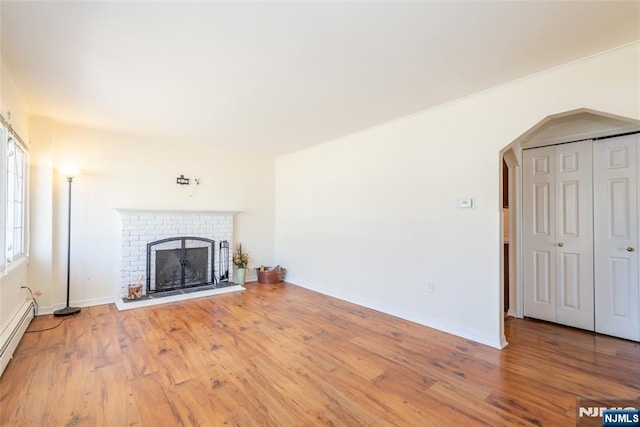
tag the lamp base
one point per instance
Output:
(67, 311)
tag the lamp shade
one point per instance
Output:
(69, 171)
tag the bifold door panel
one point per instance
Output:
(617, 303)
(580, 235)
(558, 234)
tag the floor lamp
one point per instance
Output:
(70, 173)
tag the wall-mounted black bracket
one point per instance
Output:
(182, 180)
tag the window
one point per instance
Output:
(15, 206)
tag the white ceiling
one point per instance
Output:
(276, 77)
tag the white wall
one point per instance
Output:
(11, 294)
(127, 172)
(41, 210)
(372, 217)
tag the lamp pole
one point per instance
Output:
(67, 311)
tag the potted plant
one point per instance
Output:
(241, 260)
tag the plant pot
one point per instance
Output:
(269, 276)
(242, 275)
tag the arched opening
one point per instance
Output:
(576, 125)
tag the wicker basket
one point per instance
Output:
(269, 276)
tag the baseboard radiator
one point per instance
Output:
(12, 334)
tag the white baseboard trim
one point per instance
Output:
(84, 303)
(495, 342)
(503, 342)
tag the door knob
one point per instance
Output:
(630, 249)
(561, 244)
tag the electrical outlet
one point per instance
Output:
(431, 287)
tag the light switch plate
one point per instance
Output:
(465, 203)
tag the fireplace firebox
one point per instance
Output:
(180, 262)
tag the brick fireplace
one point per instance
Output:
(141, 227)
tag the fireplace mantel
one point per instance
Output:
(174, 211)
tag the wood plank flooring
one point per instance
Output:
(281, 355)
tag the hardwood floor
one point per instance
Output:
(284, 355)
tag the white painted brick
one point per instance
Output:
(139, 229)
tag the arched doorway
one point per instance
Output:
(570, 126)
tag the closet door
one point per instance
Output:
(558, 234)
(616, 237)
(574, 234)
(539, 233)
